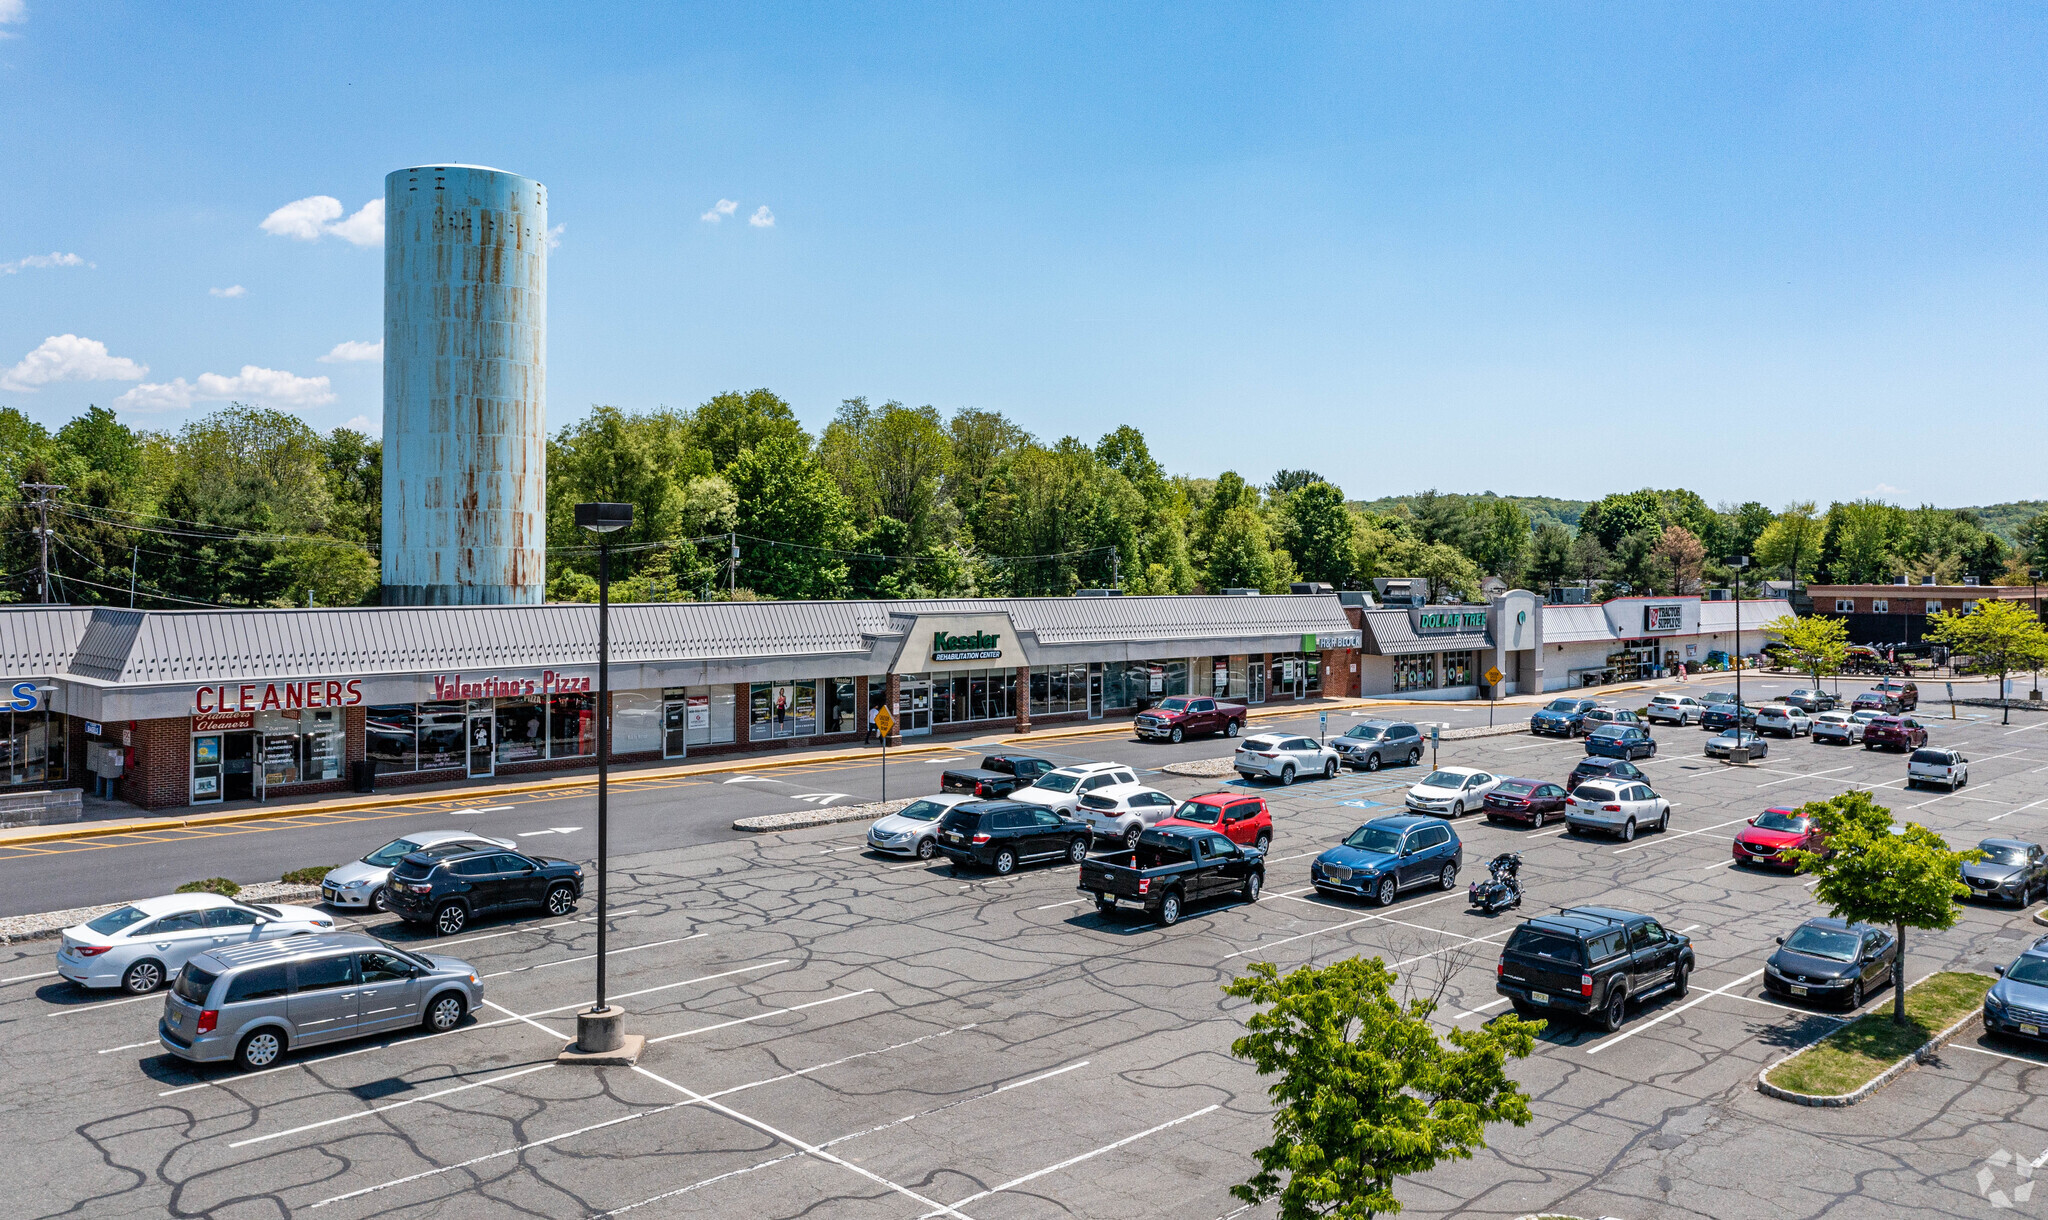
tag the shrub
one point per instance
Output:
(307, 876)
(212, 885)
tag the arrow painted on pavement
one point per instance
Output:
(754, 779)
(552, 830)
(820, 798)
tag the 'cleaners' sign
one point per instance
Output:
(277, 696)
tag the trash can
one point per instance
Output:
(362, 775)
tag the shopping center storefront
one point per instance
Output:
(204, 707)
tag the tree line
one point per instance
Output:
(253, 507)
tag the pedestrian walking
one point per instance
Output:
(873, 713)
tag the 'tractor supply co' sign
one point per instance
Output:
(979, 646)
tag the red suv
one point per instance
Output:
(1895, 733)
(1771, 834)
(1244, 820)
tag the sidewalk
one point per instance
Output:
(103, 818)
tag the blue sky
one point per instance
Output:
(1768, 251)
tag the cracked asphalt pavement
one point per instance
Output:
(834, 1033)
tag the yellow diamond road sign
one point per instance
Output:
(885, 721)
(1494, 675)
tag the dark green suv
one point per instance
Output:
(1590, 962)
(1000, 835)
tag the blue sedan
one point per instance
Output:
(1630, 741)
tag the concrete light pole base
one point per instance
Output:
(601, 1040)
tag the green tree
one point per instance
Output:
(1241, 553)
(1790, 544)
(1367, 1092)
(1446, 570)
(1287, 482)
(103, 443)
(733, 421)
(1741, 527)
(1998, 637)
(1590, 559)
(890, 461)
(1550, 555)
(1820, 644)
(1872, 874)
(791, 518)
(1497, 537)
(1318, 534)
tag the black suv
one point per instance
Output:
(448, 891)
(1590, 961)
(1003, 834)
(1597, 768)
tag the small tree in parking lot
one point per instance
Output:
(1872, 873)
(1367, 1091)
(1999, 637)
(1820, 645)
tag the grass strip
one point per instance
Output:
(1855, 1054)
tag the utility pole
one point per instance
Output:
(1115, 576)
(732, 564)
(42, 504)
(134, 558)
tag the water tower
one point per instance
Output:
(465, 387)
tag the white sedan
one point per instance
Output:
(1452, 791)
(138, 946)
(1124, 811)
(1837, 726)
(914, 829)
(1275, 756)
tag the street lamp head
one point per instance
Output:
(601, 518)
(1740, 561)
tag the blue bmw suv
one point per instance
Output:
(1562, 717)
(1387, 855)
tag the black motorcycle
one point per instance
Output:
(1505, 888)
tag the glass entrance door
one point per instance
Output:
(914, 704)
(206, 786)
(675, 729)
(1255, 681)
(1094, 692)
(482, 754)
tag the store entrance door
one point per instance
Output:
(914, 705)
(239, 779)
(206, 769)
(482, 755)
(1095, 692)
(1255, 682)
(675, 729)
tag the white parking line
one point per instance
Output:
(22, 978)
(801, 1146)
(1051, 906)
(1473, 1012)
(1689, 927)
(539, 927)
(2022, 809)
(465, 813)
(1071, 1161)
(1464, 942)
(1728, 863)
(760, 1016)
(66, 1012)
(588, 956)
(1271, 944)
(396, 1105)
(1809, 775)
(492, 1156)
(132, 1046)
(1683, 834)
(2037, 724)
(1667, 1014)
(2016, 1059)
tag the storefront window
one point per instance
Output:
(32, 752)
(572, 726)
(1219, 683)
(299, 747)
(441, 728)
(841, 715)
(1417, 672)
(1240, 680)
(1176, 678)
(522, 732)
(636, 722)
(1064, 688)
(697, 716)
(783, 709)
(1458, 668)
(1125, 685)
(391, 737)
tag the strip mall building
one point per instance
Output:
(199, 707)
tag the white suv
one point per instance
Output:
(1933, 765)
(1783, 719)
(1680, 710)
(1836, 726)
(1616, 808)
(1123, 811)
(1063, 789)
(1275, 756)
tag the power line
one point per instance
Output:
(83, 514)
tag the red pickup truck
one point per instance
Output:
(1181, 716)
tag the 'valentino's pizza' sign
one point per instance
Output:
(455, 686)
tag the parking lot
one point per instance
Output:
(834, 1033)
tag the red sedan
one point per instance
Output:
(1771, 834)
(1244, 820)
(1533, 801)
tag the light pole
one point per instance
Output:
(1738, 563)
(600, 1037)
(2034, 574)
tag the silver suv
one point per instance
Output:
(251, 1003)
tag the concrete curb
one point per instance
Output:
(2041, 916)
(804, 819)
(1919, 1055)
(93, 830)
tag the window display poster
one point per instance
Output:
(806, 714)
(1158, 679)
(205, 750)
(699, 711)
(205, 785)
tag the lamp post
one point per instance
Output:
(600, 1037)
(2034, 574)
(1738, 563)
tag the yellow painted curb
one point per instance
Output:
(91, 830)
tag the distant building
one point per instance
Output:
(1897, 613)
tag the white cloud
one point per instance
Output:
(762, 218)
(1883, 491)
(12, 11)
(365, 228)
(555, 236)
(720, 210)
(253, 384)
(70, 358)
(314, 216)
(365, 425)
(352, 351)
(235, 290)
(304, 219)
(52, 259)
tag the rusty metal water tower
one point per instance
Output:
(465, 387)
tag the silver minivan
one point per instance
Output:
(251, 1003)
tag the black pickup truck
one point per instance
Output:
(1172, 867)
(999, 775)
(1591, 961)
